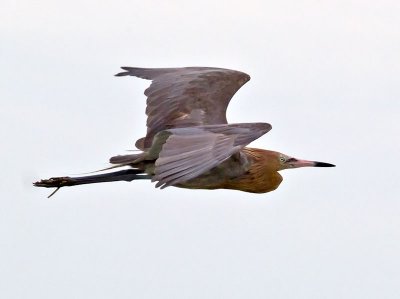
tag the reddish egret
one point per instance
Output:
(189, 143)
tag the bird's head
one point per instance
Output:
(287, 162)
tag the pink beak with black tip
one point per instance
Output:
(295, 163)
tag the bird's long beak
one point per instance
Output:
(306, 163)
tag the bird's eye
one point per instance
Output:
(282, 159)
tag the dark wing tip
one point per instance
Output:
(122, 74)
(144, 73)
(127, 73)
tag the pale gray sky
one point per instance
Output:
(325, 74)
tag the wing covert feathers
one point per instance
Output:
(189, 152)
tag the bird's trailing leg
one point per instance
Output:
(123, 175)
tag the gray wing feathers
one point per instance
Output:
(186, 97)
(244, 132)
(196, 155)
(190, 152)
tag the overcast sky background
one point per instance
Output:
(325, 74)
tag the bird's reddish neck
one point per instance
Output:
(265, 159)
(263, 174)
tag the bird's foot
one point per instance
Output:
(56, 182)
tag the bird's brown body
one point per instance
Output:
(189, 143)
(259, 174)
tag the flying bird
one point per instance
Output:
(189, 143)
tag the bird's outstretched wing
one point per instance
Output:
(186, 153)
(185, 97)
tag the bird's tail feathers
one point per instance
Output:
(128, 159)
